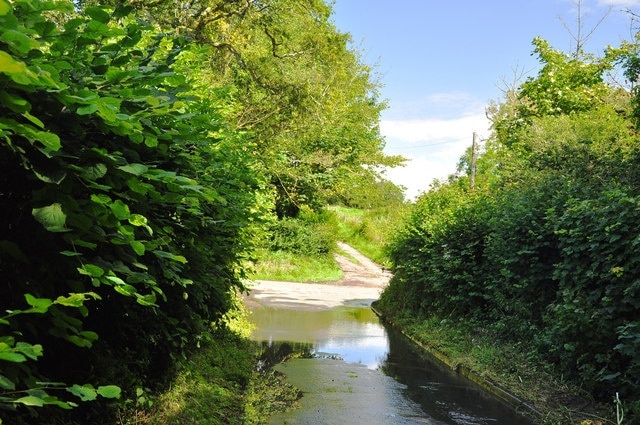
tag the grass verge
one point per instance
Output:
(509, 365)
(219, 385)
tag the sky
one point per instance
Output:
(441, 62)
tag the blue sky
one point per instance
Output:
(441, 62)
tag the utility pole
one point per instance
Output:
(472, 183)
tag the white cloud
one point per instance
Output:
(436, 105)
(432, 145)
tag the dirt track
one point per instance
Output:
(362, 283)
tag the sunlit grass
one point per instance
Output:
(508, 364)
(288, 267)
(368, 231)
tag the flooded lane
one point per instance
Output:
(354, 370)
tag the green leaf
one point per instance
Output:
(18, 40)
(70, 253)
(101, 199)
(40, 305)
(79, 341)
(108, 107)
(51, 217)
(151, 141)
(170, 256)
(31, 351)
(98, 14)
(83, 339)
(12, 67)
(138, 220)
(30, 400)
(54, 401)
(135, 169)
(13, 357)
(13, 102)
(86, 392)
(116, 280)
(6, 383)
(33, 120)
(49, 140)
(73, 300)
(95, 171)
(125, 289)
(146, 300)
(120, 210)
(138, 247)
(53, 176)
(91, 270)
(87, 109)
(109, 391)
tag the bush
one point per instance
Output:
(310, 234)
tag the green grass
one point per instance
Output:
(511, 366)
(285, 266)
(368, 231)
(218, 385)
(208, 390)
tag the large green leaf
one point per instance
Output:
(12, 356)
(30, 400)
(19, 41)
(120, 210)
(91, 270)
(39, 305)
(85, 392)
(136, 169)
(98, 14)
(10, 66)
(51, 217)
(109, 391)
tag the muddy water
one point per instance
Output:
(353, 370)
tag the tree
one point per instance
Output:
(309, 102)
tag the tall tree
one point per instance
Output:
(307, 98)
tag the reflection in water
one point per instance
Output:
(351, 334)
(340, 354)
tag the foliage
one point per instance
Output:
(368, 193)
(296, 84)
(369, 230)
(311, 234)
(290, 267)
(592, 325)
(299, 249)
(209, 390)
(545, 247)
(124, 201)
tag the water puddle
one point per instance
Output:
(351, 369)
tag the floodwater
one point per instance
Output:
(353, 370)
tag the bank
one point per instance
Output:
(505, 369)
